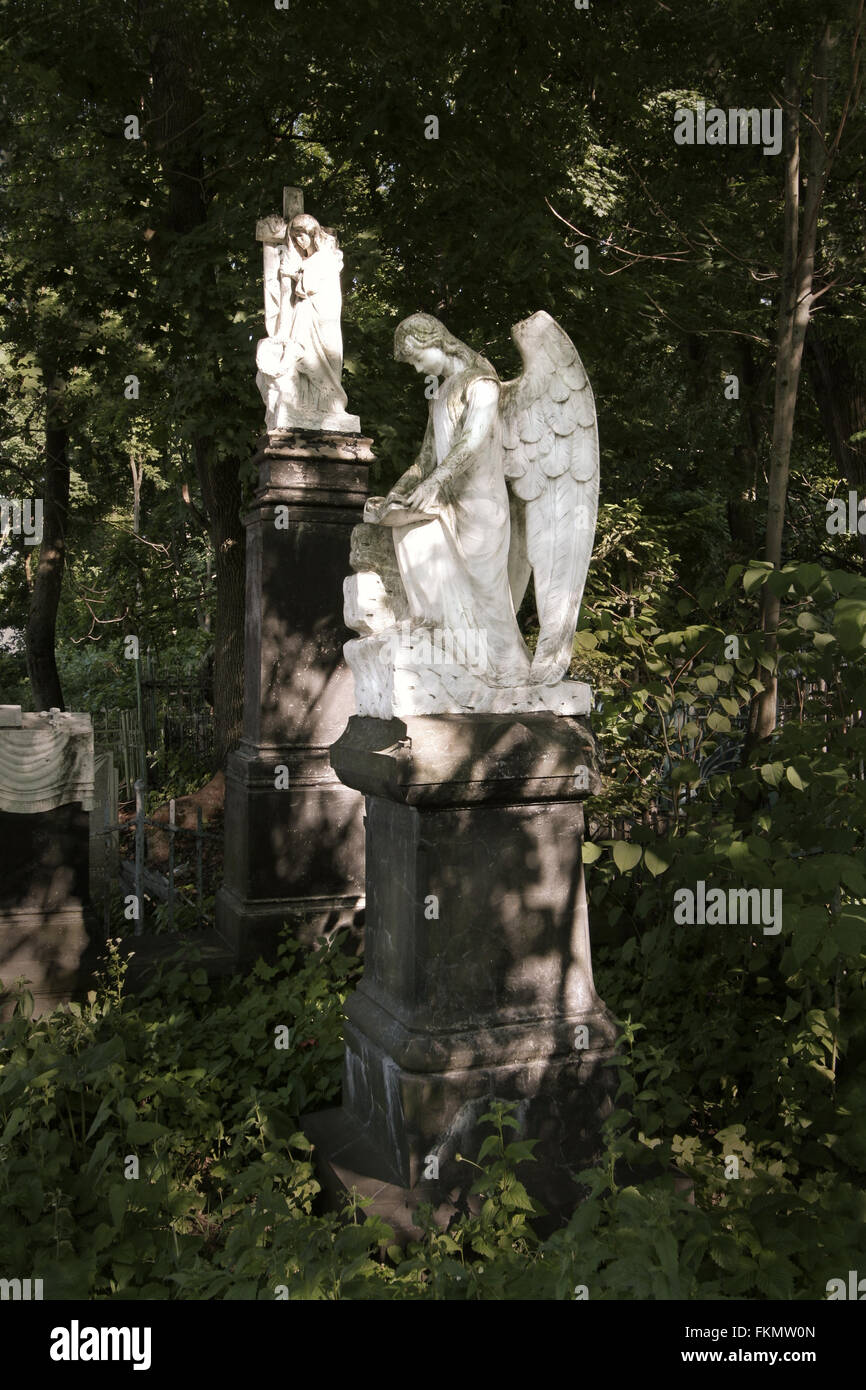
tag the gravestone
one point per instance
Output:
(475, 757)
(46, 794)
(294, 845)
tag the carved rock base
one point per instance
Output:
(338, 422)
(399, 674)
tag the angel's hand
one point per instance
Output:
(374, 507)
(426, 497)
(395, 498)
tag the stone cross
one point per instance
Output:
(271, 232)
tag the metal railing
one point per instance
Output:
(143, 881)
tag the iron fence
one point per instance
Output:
(182, 884)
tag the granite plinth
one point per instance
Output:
(46, 794)
(478, 978)
(293, 832)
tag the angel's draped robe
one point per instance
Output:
(455, 568)
(304, 359)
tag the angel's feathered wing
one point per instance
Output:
(550, 439)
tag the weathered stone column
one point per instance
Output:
(293, 834)
(46, 796)
(478, 980)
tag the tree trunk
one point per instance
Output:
(175, 132)
(795, 303)
(220, 488)
(45, 594)
(746, 455)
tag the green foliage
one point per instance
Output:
(188, 1079)
(147, 265)
(137, 256)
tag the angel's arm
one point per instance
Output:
(482, 403)
(421, 468)
(482, 399)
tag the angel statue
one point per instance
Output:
(301, 360)
(505, 485)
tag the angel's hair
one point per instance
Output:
(303, 222)
(424, 331)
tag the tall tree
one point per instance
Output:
(174, 131)
(805, 188)
(45, 593)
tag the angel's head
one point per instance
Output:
(428, 346)
(305, 232)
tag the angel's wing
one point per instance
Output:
(550, 442)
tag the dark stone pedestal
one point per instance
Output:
(296, 850)
(44, 932)
(478, 980)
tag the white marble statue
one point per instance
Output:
(506, 484)
(300, 362)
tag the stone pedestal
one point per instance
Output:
(293, 833)
(46, 795)
(477, 981)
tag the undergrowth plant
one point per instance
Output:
(152, 1147)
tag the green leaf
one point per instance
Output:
(117, 1196)
(520, 1150)
(849, 930)
(654, 862)
(490, 1146)
(13, 1124)
(756, 574)
(849, 622)
(773, 773)
(779, 582)
(719, 723)
(808, 621)
(143, 1131)
(686, 771)
(626, 855)
(807, 577)
(590, 852)
(808, 933)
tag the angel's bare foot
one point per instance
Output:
(545, 673)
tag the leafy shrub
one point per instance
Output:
(735, 1044)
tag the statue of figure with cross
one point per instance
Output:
(300, 362)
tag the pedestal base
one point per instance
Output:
(395, 677)
(294, 845)
(45, 933)
(478, 981)
(562, 1106)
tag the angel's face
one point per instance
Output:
(429, 360)
(303, 241)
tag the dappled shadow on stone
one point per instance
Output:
(478, 981)
(43, 900)
(293, 833)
